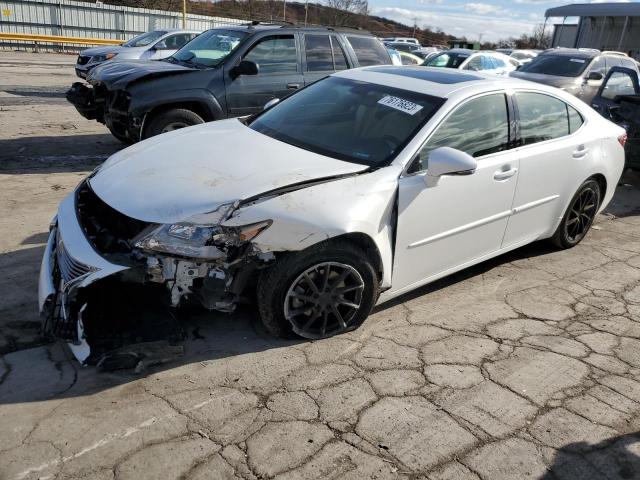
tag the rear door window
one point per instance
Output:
(541, 117)
(319, 54)
(369, 51)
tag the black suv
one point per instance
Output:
(223, 72)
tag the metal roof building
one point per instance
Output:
(605, 26)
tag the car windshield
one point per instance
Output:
(349, 120)
(210, 48)
(559, 65)
(144, 39)
(448, 60)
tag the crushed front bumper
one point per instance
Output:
(68, 264)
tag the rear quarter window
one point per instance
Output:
(369, 51)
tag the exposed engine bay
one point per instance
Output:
(138, 305)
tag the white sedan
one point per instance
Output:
(354, 190)
(495, 63)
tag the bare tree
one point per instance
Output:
(343, 10)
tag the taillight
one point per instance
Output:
(622, 139)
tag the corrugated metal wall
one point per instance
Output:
(82, 19)
(604, 33)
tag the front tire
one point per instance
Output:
(579, 216)
(325, 290)
(171, 120)
(121, 137)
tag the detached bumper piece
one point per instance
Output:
(82, 97)
(108, 317)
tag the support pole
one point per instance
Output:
(284, 10)
(184, 14)
(624, 30)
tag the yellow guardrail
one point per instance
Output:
(26, 37)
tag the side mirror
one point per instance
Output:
(162, 45)
(595, 76)
(449, 161)
(270, 103)
(245, 67)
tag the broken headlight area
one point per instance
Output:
(206, 263)
(199, 241)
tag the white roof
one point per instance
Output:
(439, 82)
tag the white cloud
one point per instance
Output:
(482, 8)
(492, 28)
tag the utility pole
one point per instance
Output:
(306, 9)
(415, 25)
(284, 10)
(184, 14)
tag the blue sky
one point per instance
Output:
(493, 19)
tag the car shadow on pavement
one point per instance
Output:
(53, 154)
(614, 458)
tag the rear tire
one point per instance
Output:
(579, 216)
(170, 120)
(325, 290)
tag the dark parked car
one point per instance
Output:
(577, 71)
(618, 99)
(224, 72)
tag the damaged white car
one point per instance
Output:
(354, 190)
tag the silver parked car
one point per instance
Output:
(154, 45)
(575, 70)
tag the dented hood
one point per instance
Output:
(175, 175)
(117, 75)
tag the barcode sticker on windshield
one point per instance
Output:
(577, 60)
(400, 104)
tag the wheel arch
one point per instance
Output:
(602, 181)
(366, 244)
(196, 106)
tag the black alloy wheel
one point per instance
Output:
(324, 299)
(579, 216)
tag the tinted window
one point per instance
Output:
(628, 63)
(350, 120)
(369, 51)
(339, 56)
(560, 65)
(175, 42)
(499, 63)
(144, 39)
(449, 60)
(619, 83)
(474, 64)
(275, 54)
(575, 119)
(599, 65)
(210, 48)
(541, 117)
(318, 50)
(478, 127)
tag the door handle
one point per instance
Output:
(501, 175)
(580, 152)
(293, 86)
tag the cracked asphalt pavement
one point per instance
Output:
(524, 367)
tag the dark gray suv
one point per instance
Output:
(224, 72)
(575, 70)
